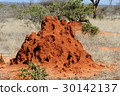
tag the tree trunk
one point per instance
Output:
(95, 12)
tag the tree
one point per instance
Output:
(110, 2)
(95, 6)
(31, 2)
(71, 9)
(23, 4)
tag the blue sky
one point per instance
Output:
(102, 2)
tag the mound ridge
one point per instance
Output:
(54, 44)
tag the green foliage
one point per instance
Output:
(3, 61)
(94, 30)
(13, 6)
(117, 9)
(59, 78)
(55, 9)
(72, 9)
(33, 72)
(1, 5)
(35, 13)
(100, 16)
(103, 9)
(90, 29)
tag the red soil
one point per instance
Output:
(109, 49)
(56, 47)
(110, 33)
(77, 26)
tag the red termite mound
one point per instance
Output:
(54, 44)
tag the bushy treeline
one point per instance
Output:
(71, 9)
(34, 12)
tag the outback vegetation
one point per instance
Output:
(89, 28)
(94, 21)
(95, 6)
(1, 59)
(32, 72)
(73, 10)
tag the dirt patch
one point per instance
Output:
(77, 26)
(6, 70)
(109, 33)
(109, 49)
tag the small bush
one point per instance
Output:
(90, 29)
(104, 9)
(94, 30)
(1, 59)
(100, 16)
(33, 72)
(117, 10)
(1, 5)
(72, 9)
(35, 13)
(13, 6)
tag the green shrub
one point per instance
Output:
(100, 16)
(13, 6)
(86, 28)
(90, 29)
(55, 9)
(104, 9)
(33, 72)
(94, 30)
(1, 59)
(72, 9)
(101, 12)
(117, 9)
(1, 5)
(35, 13)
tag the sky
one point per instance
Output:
(102, 2)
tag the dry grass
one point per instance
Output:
(13, 33)
(107, 75)
(92, 44)
(107, 25)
